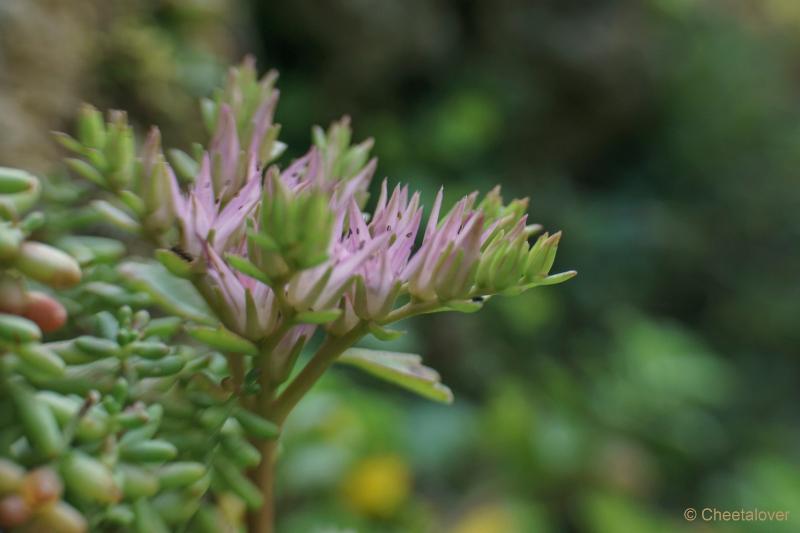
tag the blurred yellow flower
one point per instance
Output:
(378, 485)
(487, 518)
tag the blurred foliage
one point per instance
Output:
(662, 136)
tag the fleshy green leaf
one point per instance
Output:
(116, 216)
(175, 295)
(264, 242)
(88, 249)
(403, 369)
(87, 171)
(222, 339)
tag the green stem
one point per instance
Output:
(331, 348)
(410, 309)
(236, 366)
(262, 520)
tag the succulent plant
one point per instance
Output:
(165, 396)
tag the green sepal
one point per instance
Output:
(264, 242)
(554, 279)
(561, 277)
(384, 333)
(185, 166)
(247, 268)
(252, 328)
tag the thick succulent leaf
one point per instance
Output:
(175, 295)
(223, 339)
(87, 249)
(403, 369)
(116, 216)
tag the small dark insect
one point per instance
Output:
(478, 299)
(183, 254)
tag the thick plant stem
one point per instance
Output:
(319, 363)
(262, 520)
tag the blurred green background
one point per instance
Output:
(662, 136)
